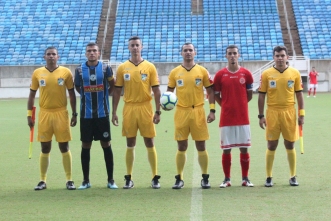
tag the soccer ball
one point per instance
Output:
(168, 100)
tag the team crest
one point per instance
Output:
(93, 77)
(143, 77)
(272, 84)
(42, 82)
(242, 80)
(180, 82)
(290, 83)
(126, 77)
(60, 81)
(105, 134)
(197, 82)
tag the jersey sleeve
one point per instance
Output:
(298, 82)
(119, 77)
(249, 80)
(207, 80)
(69, 81)
(263, 83)
(217, 82)
(77, 77)
(34, 82)
(171, 80)
(154, 78)
(109, 73)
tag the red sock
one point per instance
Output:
(226, 163)
(244, 162)
(309, 92)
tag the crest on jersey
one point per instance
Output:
(143, 77)
(105, 134)
(180, 82)
(42, 82)
(60, 81)
(242, 80)
(290, 83)
(272, 84)
(126, 77)
(197, 81)
(93, 77)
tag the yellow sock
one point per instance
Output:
(180, 162)
(43, 164)
(292, 158)
(203, 161)
(129, 159)
(269, 158)
(152, 158)
(67, 164)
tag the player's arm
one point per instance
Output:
(30, 105)
(116, 98)
(157, 96)
(111, 80)
(72, 98)
(299, 96)
(261, 101)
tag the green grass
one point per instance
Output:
(309, 201)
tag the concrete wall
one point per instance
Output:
(15, 80)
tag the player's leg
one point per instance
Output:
(62, 134)
(45, 134)
(243, 137)
(309, 91)
(290, 134)
(86, 137)
(152, 159)
(315, 87)
(272, 136)
(199, 132)
(180, 163)
(226, 143)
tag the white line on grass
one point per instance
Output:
(196, 196)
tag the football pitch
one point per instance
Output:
(309, 201)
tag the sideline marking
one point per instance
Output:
(196, 196)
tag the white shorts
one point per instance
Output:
(235, 136)
(313, 86)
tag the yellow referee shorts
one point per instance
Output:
(138, 116)
(54, 122)
(191, 120)
(281, 122)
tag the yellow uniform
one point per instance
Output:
(280, 88)
(190, 114)
(53, 115)
(138, 113)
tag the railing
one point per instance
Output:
(105, 30)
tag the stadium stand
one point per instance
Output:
(27, 27)
(166, 25)
(313, 21)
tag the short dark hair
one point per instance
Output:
(187, 43)
(279, 48)
(230, 47)
(50, 48)
(133, 38)
(92, 44)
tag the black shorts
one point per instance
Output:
(95, 129)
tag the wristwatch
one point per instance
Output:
(75, 114)
(260, 116)
(158, 112)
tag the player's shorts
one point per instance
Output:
(235, 137)
(138, 116)
(95, 129)
(54, 121)
(313, 86)
(281, 122)
(191, 120)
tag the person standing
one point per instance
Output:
(280, 84)
(53, 81)
(94, 81)
(233, 90)
(189, 79)
(139, 78)
(313, 81)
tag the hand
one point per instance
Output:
(211, 117)
(156, 119)
(73, 121)
(165, 109)
(301, 120)
(262, 123)
(114, 120)
(30, 122)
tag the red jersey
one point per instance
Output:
(313, 77)
(233, 90)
